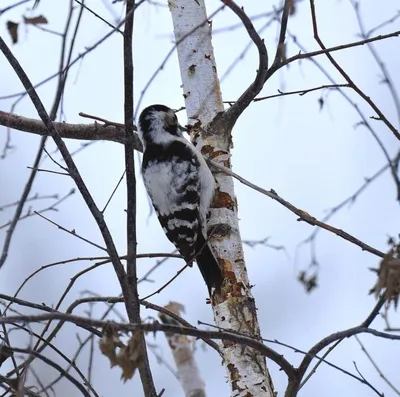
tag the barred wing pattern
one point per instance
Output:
(174, 186)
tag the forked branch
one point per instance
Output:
(232, 114)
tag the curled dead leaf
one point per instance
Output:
(39, 20)
(389, 277)
(12, 28)
(5, 353)
(127, 357)
(309, 281)
(109, 343)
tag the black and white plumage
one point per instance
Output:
(181, 188)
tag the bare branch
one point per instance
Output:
(98, 216)
(375, 365)
(2, 11)
(147, 305)
(232, 114)
(303, 216)
(156, 326)
(365, 97)
(99, 17)
(383, 24)
(70, 362)
(53, 364)
(72, 232)
(133, 305)
(30, 213)
(339, 336)
(302, 92)
(386, 75)
(74, 61)
(312, 54)
(20, 206)
(87, 132)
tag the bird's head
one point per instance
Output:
(158, 124)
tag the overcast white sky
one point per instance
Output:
(313, 158)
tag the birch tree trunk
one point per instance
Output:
(182, 350)
(234, 308)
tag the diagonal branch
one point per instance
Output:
(311, 54)
(232, 114)
(366, 98)
(53, 113)
(75, 175)
(303, 215)
(116, 134)
(337, 337)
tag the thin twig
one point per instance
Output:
(147, 305)
(302, 92)
(74, 61)
(53, 364)
(158, 290)
(375, 365)
(71, 232)
(156, 326)
(365, 97)
(33, 198)
(22, 200)
(98, 216)
(99, 17)
(10, 7)
(303, 216)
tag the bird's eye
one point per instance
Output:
(173, 119)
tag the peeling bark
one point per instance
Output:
(234, 308)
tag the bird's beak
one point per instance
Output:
(182, 128)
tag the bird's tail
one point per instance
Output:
(208, 264)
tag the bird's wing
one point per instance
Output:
(178, 209)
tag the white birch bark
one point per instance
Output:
(182, 350)
(234, 309)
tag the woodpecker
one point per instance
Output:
(181, 188)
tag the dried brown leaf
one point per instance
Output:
(39, 20)
(389, 277)
(109, 343)
(12, 28)
(5, 353)
(310, 282)
(129, 357)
